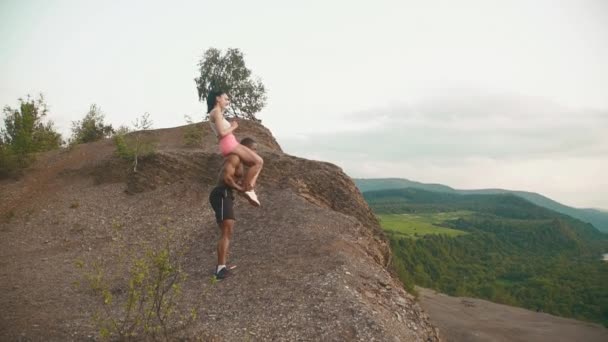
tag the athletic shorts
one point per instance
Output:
(222, 202)
(227, 144)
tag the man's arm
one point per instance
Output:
(230, 167)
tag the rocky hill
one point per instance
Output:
(313, 263)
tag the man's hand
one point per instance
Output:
(230, 181)
(231, 164)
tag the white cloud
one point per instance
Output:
(578, 182)
(522, 146)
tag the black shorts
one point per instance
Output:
(222, 202)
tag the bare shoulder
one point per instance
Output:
(213, 114)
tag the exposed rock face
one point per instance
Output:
(311, 261)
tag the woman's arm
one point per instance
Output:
(217, 121)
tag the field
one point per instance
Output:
(416, 225)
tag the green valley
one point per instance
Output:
(497, 247)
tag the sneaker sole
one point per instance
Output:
(251, 201)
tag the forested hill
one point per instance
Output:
(504, 205)
(497, 247)
(598, 218)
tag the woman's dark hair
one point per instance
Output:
(212, 99)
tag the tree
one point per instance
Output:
(142, 146)
(91, 127)
(227, 72)
(24, 129)
(135, 145)
(25, 133)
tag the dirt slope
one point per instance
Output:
(470, 320)
(311, 261)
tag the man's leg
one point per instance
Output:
(224, 242)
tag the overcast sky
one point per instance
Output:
(471, 94)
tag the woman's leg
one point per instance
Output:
(255, 163)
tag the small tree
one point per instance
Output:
(228, 72)
(91, 127)
(25, 133)
(135, 145)
(142, 146)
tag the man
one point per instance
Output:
(222, 202)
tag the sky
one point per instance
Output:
(470, 94)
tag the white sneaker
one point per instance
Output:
(252, 197)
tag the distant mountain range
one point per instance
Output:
(598, 218)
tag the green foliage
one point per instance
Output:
(227, 72)
(133, 146)
(91, 127)
(146, 303)
(120, 141)
(10, 163)
(193, 134)
(406, 278)
(24, 133)
(122, 149)
(513, 252)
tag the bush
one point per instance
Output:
(91, 127)
(8, 162)
(24, 133)
(145, 303)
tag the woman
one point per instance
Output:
(217, 102)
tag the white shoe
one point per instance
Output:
(252, 197)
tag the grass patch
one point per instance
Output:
(417, 225)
